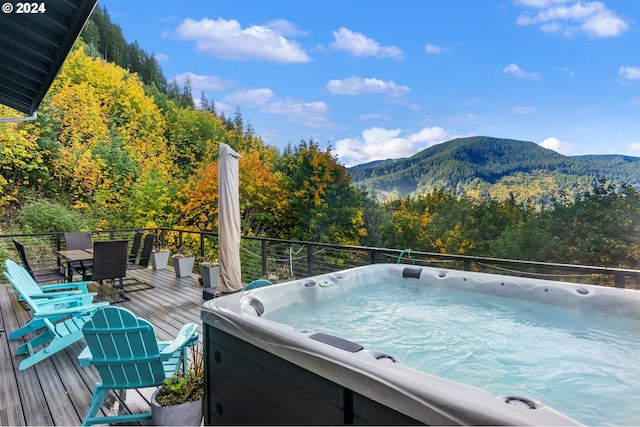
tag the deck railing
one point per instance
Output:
(278, 259)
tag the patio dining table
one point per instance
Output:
(75, 255)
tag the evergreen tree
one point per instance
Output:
(106, 38)
(185, 99)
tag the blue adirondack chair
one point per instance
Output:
(125, 351)
(57, 321)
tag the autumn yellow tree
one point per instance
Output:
(198, 199)
(21, 158)
(261, 200)
(109, 134)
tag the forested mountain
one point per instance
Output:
(494, 168)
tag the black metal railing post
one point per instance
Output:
(309, 259)
(263, 257)
(373, 256)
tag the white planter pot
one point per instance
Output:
(159, 260)
(209, 276)
(185, 414)
(184, 266)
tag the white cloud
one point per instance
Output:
(592, 18)
(432, 48)
(285, 28)
(228, 40)
(200, 83)
(634, 102)
(426, 137)
(553, 27)
(604, 24)
(359, 86)
(357, 44)
(250, 98)
(629, 73)
(634, 146)
(558, 146)
(524, 110)
(540, 3)
(161, 57)
(515, 70)
(310, 114)
(378, 144)
(372, 116)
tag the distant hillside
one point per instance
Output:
(494, 168)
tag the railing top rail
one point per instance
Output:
(425, 255)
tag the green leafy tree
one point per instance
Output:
(441, 222)
(600, 228)
(525, 241)
(194, 136)
(374, 217)
(42, 216)
(323, 205)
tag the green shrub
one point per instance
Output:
(48, 216)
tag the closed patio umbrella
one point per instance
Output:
(229, 221)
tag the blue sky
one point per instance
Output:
(378, 79)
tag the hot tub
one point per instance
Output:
(259, 371)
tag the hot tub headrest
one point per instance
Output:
(412, 272)
(337, 342)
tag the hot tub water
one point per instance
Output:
(586, 365)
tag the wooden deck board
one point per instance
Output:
(57, 391)
(10, 408)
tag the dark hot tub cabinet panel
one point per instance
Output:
(247, 385)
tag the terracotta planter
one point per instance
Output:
(209, 276)
(184, 266)
(159, 260)
(185, 414)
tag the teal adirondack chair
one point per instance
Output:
(257, 284)
(65, 295)
(38, 291)
(125, 351)
(57, 321)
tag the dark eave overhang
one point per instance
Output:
(33, 47)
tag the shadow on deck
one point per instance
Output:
(57, 391)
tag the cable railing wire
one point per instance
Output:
(288, 259)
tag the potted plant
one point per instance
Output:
(209, 272)
(178, 401)
(159, 255)
(183, 262)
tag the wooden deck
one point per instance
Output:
(57, 391)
